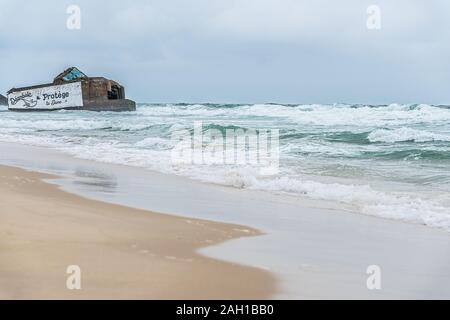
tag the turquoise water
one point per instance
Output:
(390, 161)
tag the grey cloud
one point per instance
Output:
(237, 51)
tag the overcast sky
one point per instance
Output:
(287, 51)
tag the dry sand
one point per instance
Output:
(123, 253)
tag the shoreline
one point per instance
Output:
(123, 253)
(315, 249)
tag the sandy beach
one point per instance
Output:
(122, 252)
(309, 249)
(252, 150)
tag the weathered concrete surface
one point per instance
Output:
(3, 100)
(110, 105)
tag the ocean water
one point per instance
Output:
(388, 161)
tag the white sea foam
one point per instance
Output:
(397, 206)
(56, 124)
(154, 143)
(406, 134)
(322, 115)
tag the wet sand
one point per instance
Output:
(123, 253)
(316, 249)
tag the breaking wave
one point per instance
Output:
(389, 161)
(406, 134)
